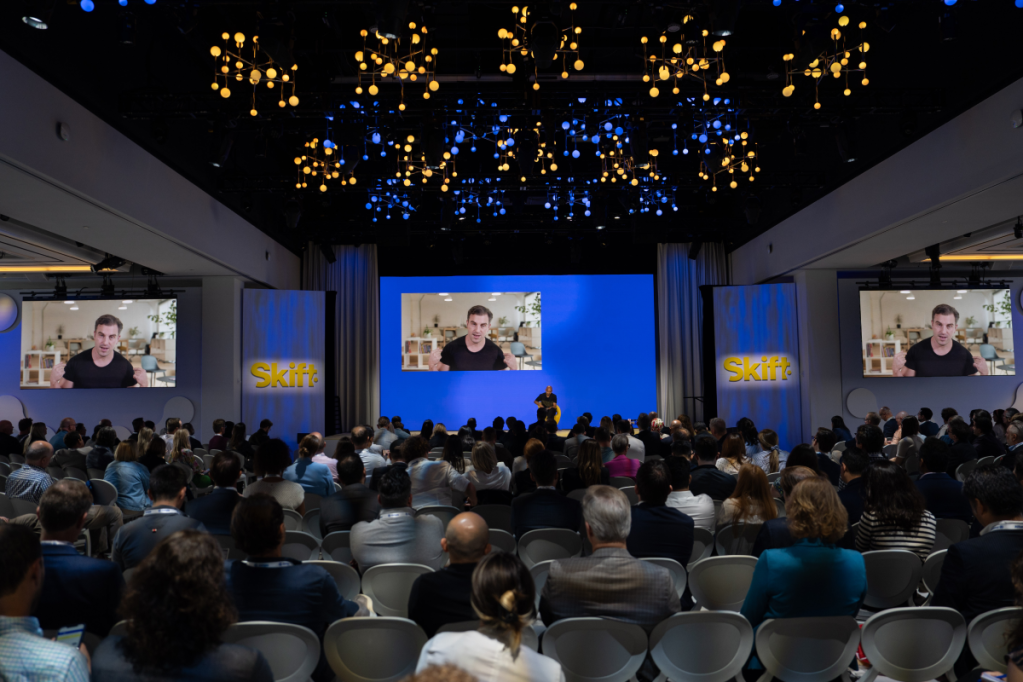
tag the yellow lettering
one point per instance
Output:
(749, 371)
(278, 378)
(291, 381)
(261, 371)
(734, 366)
(742, 369)
(312, 375)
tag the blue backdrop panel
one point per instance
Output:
(281, 329)
(756, 355)
(598, 353)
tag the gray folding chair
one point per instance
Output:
(3, 484)
(496, 515)
(120, 628)
(549, 543)
(737, 539)
(529, 636)
(373, 649)
(771, 478)
(5, 469)
(964, 469)
(709, 646)
(292, 520)
(72, 472)
(291, 650)
(630, 492)
(807, 649)
(300, 546)
(677, 570)
(622, 481)
(988, 636)
(540, 571)
(103, 492)
(22, 507)
(128, 573)
(228, 547)
(442, 512)
(55, 472)
(578, 494)
(985, 460)
(311, 524)
(931, 573)
(954, 529)
(703, 546)
(346, 577)
(207, 459)
(502, 541)
(913, 644)
(6, 506)
(96, 473)
(720, 583)
(595, 649)
(338, 546)
(389, 585)
(312, 501)
(892, 578)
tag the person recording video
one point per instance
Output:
(473, 352)
(941, 355)
(101, 367)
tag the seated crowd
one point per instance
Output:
(645, 491)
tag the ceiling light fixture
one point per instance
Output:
(961, 291)
(911, 298)
(447, 299)
(542, 41)
(1017, 229)
(724, 159)
(321, 160)
(957, 298)
(74, 307)
(905, 292)
(45, 268)
(837, 63)
(238, 67)
(444, 294)
(37, 14)
(109, 263)
(391, 60)
(122, 307)
(69, 302)
(687, 58)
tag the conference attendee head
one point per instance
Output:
(854, 463)
(653, 483)
(168, 485)
(675, 425)
(924, 414)
(452, 454)
(885, 413)
(225, 470)
(63, 510)
(620, 444)
(394, 489)
(825, 440)
(257, 525)
(39, 454)
(947, 414)
(138, 424)
(484, 458)
(748, 430)
(66, 424)
(541, 414)
(152, 425)
(814, 511)
(543, 468)
(173, 424)
(934, 455)
(872, 418)
(551, 426)
(959, 430)
(891, 494)
(837, 422)
(994, 494)
(944, 319)
(351, 469)
(490, 435)
(982, 423)
(681, 448)
(607, 514)
(385, 423)
(218, 426)
(157, 447)
(589, 462)
(177, 606)
(471, 423)
(440, 430)
(477, 321)
(106, 437)
(532, 447)
(1008, 414)
(733, 448)
(910, 427)
(607, 424)
(579, 429)
(21, 571)
(717, 427)
(465, 435)
(623, 426)
(804, 455)
(503, 596)
(239, 435)
(265, 425)
(790, 476)
(603, 437)
(271, 458)
(706, 449)
(678, 468)
(1013, 433)
(126, 452)
(72, 441)
(498, 424)
(187, 426)
(309, 446)
(467, 539)
(106, 334)
(869, 438)
(589, 418)
(656, 424)
(643, 421)
(24, 426)
(362, 437)
(414, 448)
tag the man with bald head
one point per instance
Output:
(443, 597)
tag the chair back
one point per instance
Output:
(621, 482)
(518, 349)
(807, 649)
(497, 516)
(300, 546)
(983, 461)
(987, 351)
(442, 512)
(703, 545)
(720, 583)
(292, 520)
(914, 644)
(890, 449)
(311, 524)
(493, 497)
(578, 494)
(892, 577)
(954, 529)
(347, 578)
(771, 478)
(228, 547)
(17, 458)
(502, 541)
(103, 492)
(149, 363)
(55, 472)
(841, 446)
(709, 646)
(338, 546)
(563, 461)
(72, 472)
(737, 539)
(987, 636)
(931, 573)
(312, 501)
(389, 585)
(540, 572)
(5, 469)
(595, 649)
(22, 507)
(3, 484)
(677, 570)
(120, 628)
(291, 650)
(373, 649)
(630, 492)
(93, 473)
(529, 636)
(6, 506)
(128, 573)
(549, 543)
(780, 506)
(207, 460)
(965, 469)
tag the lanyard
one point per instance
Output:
(1002, 525)
(56, 543)
(394, 515)
(268, 564)
(160, 510)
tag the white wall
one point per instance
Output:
(880, 308)
(40, 320)
(820, 367)
(221, 353)
(418, 310)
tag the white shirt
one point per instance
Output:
(698, 507)
(432, 482)
(724, 465)
(371, 460)
(498, 479)
(519, 464)
(330, 463)
(488, 660)
(384, 438)
(636, 449)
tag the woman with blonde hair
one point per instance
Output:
(181, 456)
(439, 437)
(771, 458)
(131, 480)
(145, 438)
(590, 469)
(733, 454)
(503, 598)
(487, 473)
(752, 501)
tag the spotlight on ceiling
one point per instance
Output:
(107, 289)
(37, 14)
(725, 14)
(1018, 229)
(153, 289)
(60, 290)
(109, 263)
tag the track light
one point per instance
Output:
(1018, 229)
(109, 263)
(60, 291)
(37, 14)
(107, 289)
(153, 289)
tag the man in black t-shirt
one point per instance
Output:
(473, 352)
(941, 355)
(101, 367)
(547, 400)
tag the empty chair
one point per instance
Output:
(442, 512)
(103, 492)
(720, 583)
(55, 472)
(540, 572)
(988, 636)
(72, 472)
(807, 649)
(964, 469)
(630, 492)
(207, 459)
(96, 473)
(311, 524)
(6, 507)
(518, 349)
(22, 507)
(346, 577)
(703, 546)
(389, 585)
(373, 649)
(678, 571)
(502, 541)
(913, 644)
(300, 546)
(549, 543)
(338, 546)
(596, 649)
(292, 520)
(737, 539)
(710, 646)
(496, 515)
(892, 577)
(291, 650)
(954, 529)
(529, 637)
(931, 572)
(622, 481)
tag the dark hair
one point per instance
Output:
(982, 420)
(264, 423)
(891, 495)
(237, 435)
(498, 423)
(157, 446)
(414, 448)
(910, 427)
(187, 426)
(256, 524)
(838, 423)
(107, 321)
(960, 430)
(350, 469)
(678, 468)
(996, 488)
(71, 439)
(551, 425)
(25, 424)
(344, 447)
(272, 457)
(427, 429)
(681, 448)
(870, 437)
(394, 487)
(706, 448)
(826, 439)
(589, 462)
(480, 310)
(934, 454)
(138, 423)
(944, 309)
(948, 412)
(544, 467)
(643, 421)
(21, 550)
(601, 435)
(63, 504)
(218, 424)
(653, 482)
(503, 594)
(873, 419)
(166, 481)
(106, 437)
(151, 425)
(733, 447)
(177, 605)
(926, 413)
(804, 455)
(453, 453)
(748, 431)
(225, 469)
(855, 460)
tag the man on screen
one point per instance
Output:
(942, 355)
(103, 366)
(473, 352)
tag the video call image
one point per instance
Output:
(471, 332)
(99, 344)
(937, 333)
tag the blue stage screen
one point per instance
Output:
(595, 345)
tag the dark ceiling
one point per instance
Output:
(147, 69)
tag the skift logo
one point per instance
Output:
(769, 368)
(292, 375)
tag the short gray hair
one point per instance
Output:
(620, 443)
(38, 450)
(608, 513)
(1016, 429)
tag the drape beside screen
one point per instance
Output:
(355, 278)
(680, 325)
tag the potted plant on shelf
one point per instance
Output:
(889, 334)
(502, 322)
(426, 331)
(1003, 308)
(133, 332)
(970, 321)
(898, 321)
(49, 343)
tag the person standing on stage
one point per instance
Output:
(473, 352)
(547, 400)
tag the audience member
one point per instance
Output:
(239, 444)
(142, 440)
(193, 442)
(718, 431)
(354, 502)
(70, 455)
(8, 443)
(171, 427)
(576, 438)
(504, 456)
(946, 416)
(272, 458)
(136, 540)
(894, 515)
(1013, 442)
(362, 439)
(747, 430)
(770, 457)
(907, 454)
(384, 435)
(589, 469)
(637, 450)
(658, 530)
(700, 508)
(870, 439)
(927, 427)
(707, 479)
(651, 440)
(1015, 637)
(487, 473)
(555, 443)
(943, 495)
(313, 477)
(603, 438)
(841, 431)
(503, 598)
(102, 453)
(751, 502)
(454, 453)
(803, 455)
(892, 424)
(623, 464)
(775, 534)
(961, 449)
(545, 507)
(131, 479)
(214, 510)
(155, 454)
(733, 454)
(823, 443)
(521, 481)
(67, 425)
(853, 493)
(24, 431)
(31, 480)
(219, 440)
(443, 597)
(181, 456)
(986, 442)
(437, 437)
(434, 480)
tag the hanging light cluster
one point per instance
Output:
(321, 162)
(725, 155)
(568, 200)
(389, 59)
(385, 201)
(480, 200)
(656, 200)
(524, 41)
(838, 62)
(240, 64)
(413, 163)
(686, 58)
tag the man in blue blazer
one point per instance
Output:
(545, 508)
(77, 590)
(214, 510)
(942, 493)
(658, 530)
(927, 427)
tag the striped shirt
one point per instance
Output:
(28, 483)
(25, 656)
(877, 534)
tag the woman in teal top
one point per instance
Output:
(130, 478)
(312, 476)
(813, 577)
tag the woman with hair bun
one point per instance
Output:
(503, 596)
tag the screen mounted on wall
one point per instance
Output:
(99, 344)
(910, 333)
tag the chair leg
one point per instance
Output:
(870, 675)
